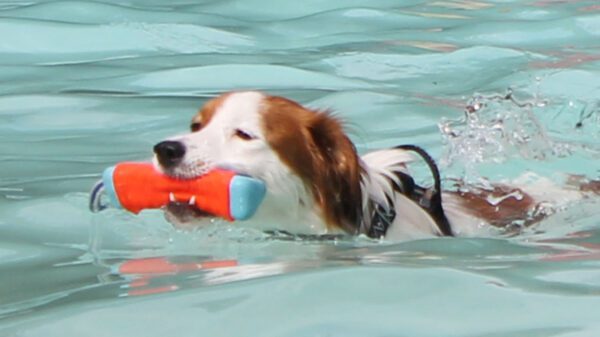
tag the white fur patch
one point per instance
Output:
(379, 167)
(411, 221)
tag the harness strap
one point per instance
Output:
(381, 220)
(429, 199)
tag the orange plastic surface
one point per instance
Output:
(139, 186)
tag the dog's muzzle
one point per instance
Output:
(169, 153)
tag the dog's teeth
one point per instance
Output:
(192, 201)
(172, 197)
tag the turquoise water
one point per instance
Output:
(85, 84)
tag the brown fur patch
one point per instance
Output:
(505, 212)
(583, 184)
(591, 186)
(314, 145)
(208, 110)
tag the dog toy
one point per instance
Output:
(138, 186)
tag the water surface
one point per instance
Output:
(85, 84)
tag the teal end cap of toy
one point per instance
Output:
(109, 187)
(245, 195)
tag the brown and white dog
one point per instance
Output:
(318, 184)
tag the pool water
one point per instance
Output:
(86, 84)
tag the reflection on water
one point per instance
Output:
(529, 264)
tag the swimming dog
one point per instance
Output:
(318, 184)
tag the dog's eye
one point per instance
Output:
(243, 135)
(195, 126)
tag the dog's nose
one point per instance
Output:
(169, 153)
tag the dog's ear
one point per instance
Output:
(339, 171)
(332, 142)
(313, 144)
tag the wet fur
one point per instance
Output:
(316, 181)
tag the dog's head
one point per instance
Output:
(308, 164)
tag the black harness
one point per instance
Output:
(429, 199)
(380, 221)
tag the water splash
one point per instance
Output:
(495, 129)
(578, 122)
